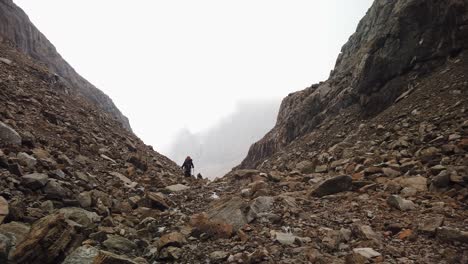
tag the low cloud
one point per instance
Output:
(218, 149)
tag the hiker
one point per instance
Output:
(187, 166)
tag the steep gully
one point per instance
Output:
(368, 167)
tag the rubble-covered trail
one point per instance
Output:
(78, 188)
(393, 189)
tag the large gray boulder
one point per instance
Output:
(35, 181)
(334, 185)
(8, 136)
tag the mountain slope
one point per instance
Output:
(63, 159)
(17, 29)
(395, 42)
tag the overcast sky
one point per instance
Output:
(170, 65)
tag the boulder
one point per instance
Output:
(334, 185)
(399, 203)
(449, 234)
(157, 201)
(211, 228)
(126, 181)
(4, 209)
(442, 180)
(286, 239)
(35, 181)
(105, 257)
(80, 216)
(230, 211)
(174, 239)
(430, 225)
(177, 188)
(84, 199)
(82, 255)
(49, 238)
(366, 252)
(417, 182)
(55, 190)
(8, 136)
(16, 231)
(366, 232)
(170, 253)
(119, 243)
(218, 256)
(259, 206)
(321, 168)
(26, 160)
(305, 167)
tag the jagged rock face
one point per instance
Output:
(17, 29)
(395, 42)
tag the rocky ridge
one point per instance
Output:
(17, 30)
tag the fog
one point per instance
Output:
(177, 69)
(216, 150)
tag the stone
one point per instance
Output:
(16, 231)
(119, 243)
(35, 181)
(82, 255)
(211, 228)
(366, 252)
(321, 168)
(177, 188)
(4, 209)
(305, 167)
(5, 248)
(170, 253)
(80, 216)
(55, 190)
(174, 239)
(6, 61)
(84, 199)
(157, 201)
(408, 192)
(330, 238)
(430, 225)
(389, 172)
(8, 136)
(286, 239)
(105, 257)
(126, 181)
(366, 232)
(417, 182)
(442, 180)
(449, 234)
(218, 256)
(437, 169)
(399, 203)
(230, 211)
(259, 206)
(26, 160)
(47, 240)
(333, 185)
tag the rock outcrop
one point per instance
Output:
(396, 42)
(17, 30)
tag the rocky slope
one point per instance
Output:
(17, 29)
(348, 175)
(68, 170)
(396, 42)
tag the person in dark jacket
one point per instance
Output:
(187, 166)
